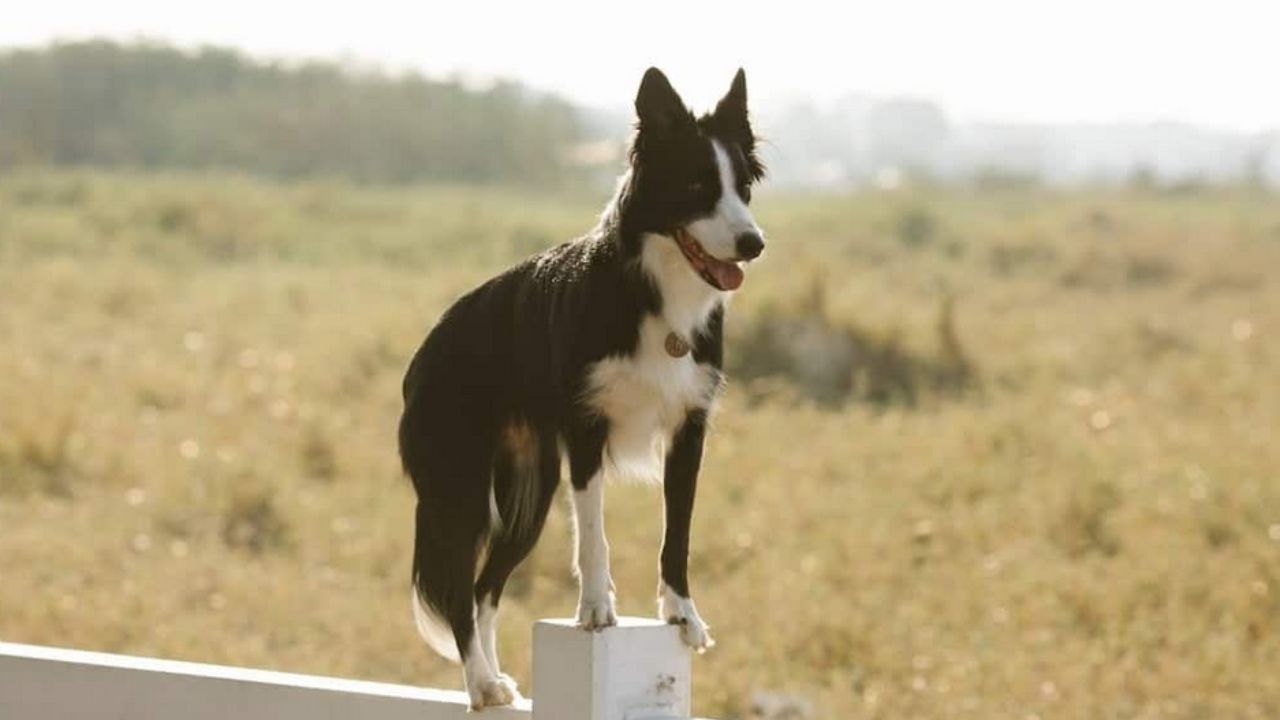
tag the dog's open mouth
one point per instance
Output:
(721, 274)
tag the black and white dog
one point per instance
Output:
(609, 347)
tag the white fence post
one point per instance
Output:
(638, 670)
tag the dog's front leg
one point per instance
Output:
(595, 599)
(680, 481)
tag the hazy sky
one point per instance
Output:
(1215, 63)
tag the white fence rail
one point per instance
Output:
(636, 671)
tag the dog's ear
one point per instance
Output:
(730, 119)
(658, 106)
(731, 112)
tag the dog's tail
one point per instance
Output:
(447, 541)
(443, 570)
(449, 525)
(434, 593)
(432, 626)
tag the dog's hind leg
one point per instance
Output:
(444, 563)
(524, 483)
(451, 468)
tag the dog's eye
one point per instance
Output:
(697, 186)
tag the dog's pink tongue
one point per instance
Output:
(727, 274)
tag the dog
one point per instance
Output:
(607, 349)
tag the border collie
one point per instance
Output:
(608, 349)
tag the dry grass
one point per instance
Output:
(199, 385)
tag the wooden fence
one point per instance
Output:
(638, 670)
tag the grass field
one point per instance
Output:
(1001, 454)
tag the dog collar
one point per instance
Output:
(677, 347)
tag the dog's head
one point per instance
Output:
(691, 178)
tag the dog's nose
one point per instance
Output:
(749, 245)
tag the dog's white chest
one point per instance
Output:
(645, 398)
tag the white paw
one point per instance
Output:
(493, 691)
(681, 611)
(597, 612)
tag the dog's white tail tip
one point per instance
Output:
(433, 629)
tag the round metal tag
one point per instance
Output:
(676, 346)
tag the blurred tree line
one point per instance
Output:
(144, 105)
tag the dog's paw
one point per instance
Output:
(681, 611)
(492, 692)
(597, 613)
(695, 633)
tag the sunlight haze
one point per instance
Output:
(992, 60)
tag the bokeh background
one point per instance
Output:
(1000, 436)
